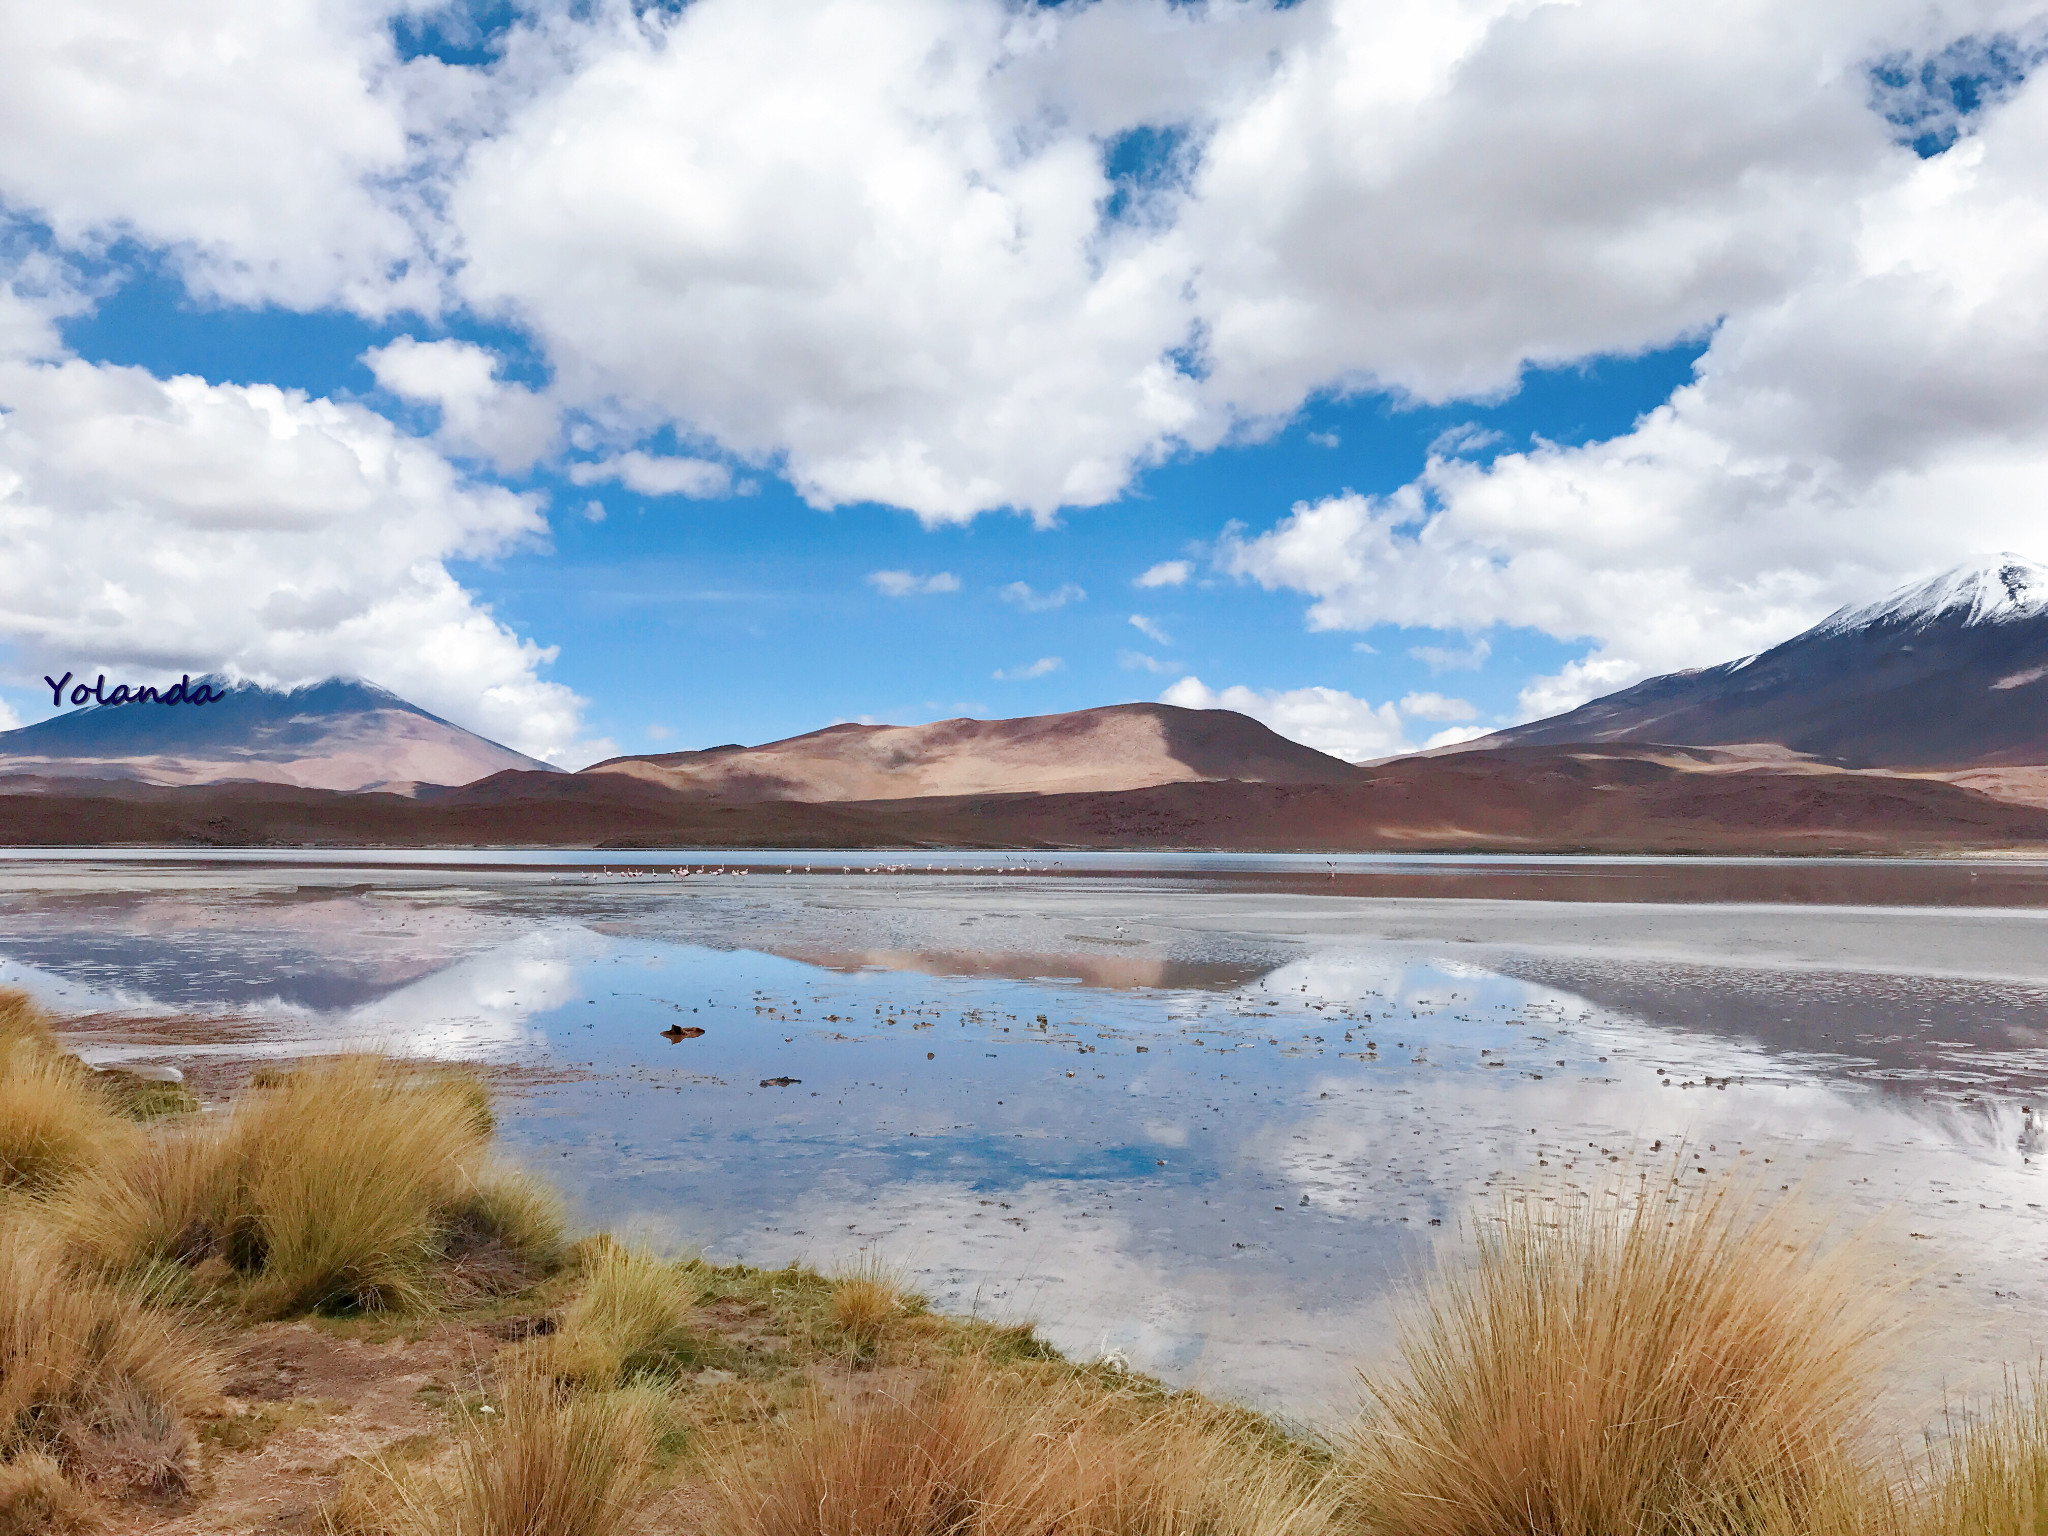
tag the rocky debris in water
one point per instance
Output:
(780, 1082)
(677, 1032)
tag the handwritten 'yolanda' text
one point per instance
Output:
(180, 692)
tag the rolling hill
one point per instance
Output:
(1118, 747)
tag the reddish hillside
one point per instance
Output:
(1529, 800)
(1123, 746)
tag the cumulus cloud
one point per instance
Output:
(1450, 736)
(908, 584)
(1138, 661)
(656, 475)
(264, 146)
(1038, 668)
(869, 236)
(1024, 596)
(850, 235)
(1167, 573)
(1150, 629)
(156, 527)
(480, 413)
(1434, 706)
(1324, 718)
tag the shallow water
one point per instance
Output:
(1209, 1125)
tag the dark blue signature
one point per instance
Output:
(180, 692)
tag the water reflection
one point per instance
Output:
(1153, 1141)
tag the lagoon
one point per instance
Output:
(1207, 1114)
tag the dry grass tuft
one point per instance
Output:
(92, 1376)
(863, 1308)
(632, 1311)
(1651, 1360)
(36, 1500)
(547, 1462)
(978, 1452)
(1990, 1476)
(339, 1186)
(54, 1124)
(22, 1018)
(508, 1213)
(865, 1301)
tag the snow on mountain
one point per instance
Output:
(1992, 589)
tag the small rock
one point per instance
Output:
(677, 1032)
(780, 1082)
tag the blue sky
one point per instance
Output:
(1461, 395)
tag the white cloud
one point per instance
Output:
(659, 733)
(1167, 573)
(654, 475)
(908, 584)
(1442, 658)
(1434, 706)
(480, 413)
(155, 526)
(1324, 718)
(264, 146)
(861, 235)
(865, 235)
(1325, 439)
(1038, 668)
(1590, 677)
(1450, 736)
(1150, 629)
(1031, 601)
(1138, 661)
(1466, 437)
(593, 511)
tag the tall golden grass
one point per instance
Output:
(22, 1018)
(339, 1186)
(546, 1462)
(632, 1310)
(866, 1299)
(92, 1377)
(977, 1451)
(1989, 1475)
(54, 1123)
(1653, 1359)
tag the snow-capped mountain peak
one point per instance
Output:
(1993, 589)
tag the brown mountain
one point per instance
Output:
(1122, 746)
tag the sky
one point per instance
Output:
(621, 378)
